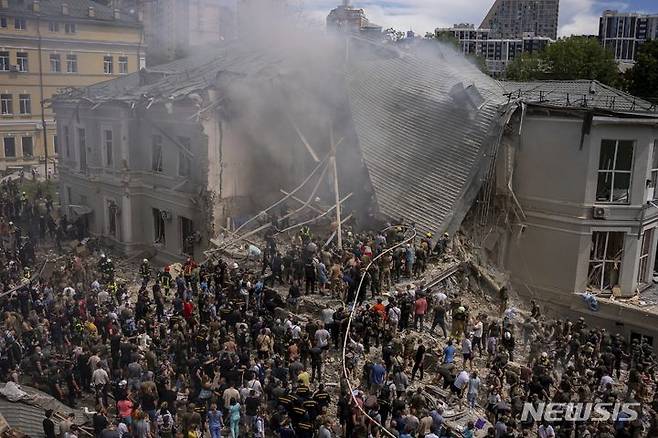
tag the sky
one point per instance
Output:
(577, 17)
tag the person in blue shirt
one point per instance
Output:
(449, 353)
(377, 376)
(215, 422)
(234, 413)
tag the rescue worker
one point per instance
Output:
(145, 272)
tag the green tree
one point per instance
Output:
(568, 58)
(643, 77)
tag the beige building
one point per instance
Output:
(49, 46)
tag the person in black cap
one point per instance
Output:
(49, 424)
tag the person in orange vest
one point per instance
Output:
(188, 270)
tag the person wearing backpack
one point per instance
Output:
(165, 422)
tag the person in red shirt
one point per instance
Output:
(188, 310)
(420, 308)
(380, 308)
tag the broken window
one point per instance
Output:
(654, 170)
(109, 149)
(156, 153)
(643, 274)
(614, 175)
(112, 210)
(605, 259)
(159, 226)
(82, 149)
(187, 235)
(184, 163)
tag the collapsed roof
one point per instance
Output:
(425, 123)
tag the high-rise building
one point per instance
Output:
(624, 32)
(346, 18)
(173, 27)
(496, 52)
(47, 46)
(514, 18)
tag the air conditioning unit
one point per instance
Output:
(600, 213)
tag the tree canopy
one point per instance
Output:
(643, 77)
(568, 58)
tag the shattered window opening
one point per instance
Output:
(184, 163)
(159, 226)
(614, 174)
(108, 143)
(27, 144)
(654, 169)
(605, 259)
(10, 147)
(156, 153)
(643, 273)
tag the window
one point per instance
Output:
(69, 28)
(10, 147)
(159, 226)
(21, 60)
(25, 103)
(108, 65)
(107, 143)
(55, 144)
(28, 147)
(156, 153)
(184, 163)
(112, 210)
(6, 104)
(82, 148)
(4, 61)
(67, 141)
(123, 65)
(605, 259)
(3, 22)
(614, 176)
(71, 63)
(654, 170)
(187, 235)
(53, 26)
(55, 63)
(19, 23)
(643, 265)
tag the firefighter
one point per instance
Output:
(165, 279)
(145, 272)
(188, 270)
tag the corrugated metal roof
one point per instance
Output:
(577, 94)
(425, 150)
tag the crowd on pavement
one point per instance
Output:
(221, 348)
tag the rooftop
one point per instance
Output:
(77, 9)
(577, 94)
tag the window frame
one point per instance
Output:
(108, 146)
(157, 165)
(5, 62)
(58, 62)
(654, 169)
(108, 64)
(70, 28)
(31, 141)
(6, 104)
(4, 22)
(4, 146)
(643, 272)
(71, 60)
(25, 104)
(22, 21)
(613, 172)
(123, 65)
(53, 26)
(608, 259)
(184, 162)
(67, 140)
(22, 62)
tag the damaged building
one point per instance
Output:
(557, 178)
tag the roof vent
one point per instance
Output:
(65, 9)
(36, 7)
(91, 11)
(117, 14)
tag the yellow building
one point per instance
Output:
(49, 45)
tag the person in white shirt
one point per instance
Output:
(459, 385)
(478, 331)
(322, 338)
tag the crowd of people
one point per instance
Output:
(222, 347)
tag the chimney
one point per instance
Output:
(91, 12)
(65, 9)
(4, 4)
(36, 7)
(117, 14)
